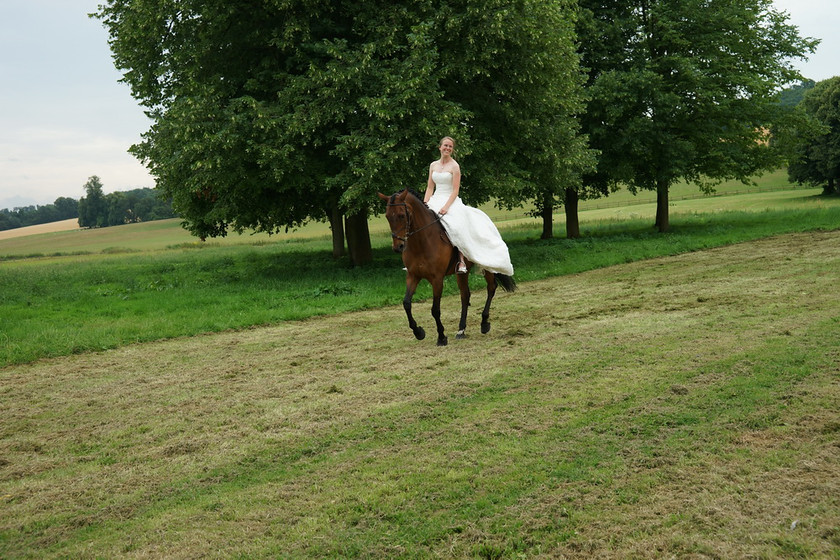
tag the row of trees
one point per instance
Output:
(269, 114)
(62, 209)
(98, 209)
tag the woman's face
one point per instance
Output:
(446, 147)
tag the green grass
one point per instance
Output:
(619, 408)
(160, 286)
(766, 184)
(772, 192)
(682, 407)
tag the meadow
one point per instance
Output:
(640, 396)
(89, 290)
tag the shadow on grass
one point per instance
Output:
(603, 244)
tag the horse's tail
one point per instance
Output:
(507, 283)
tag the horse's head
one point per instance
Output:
(398, 214)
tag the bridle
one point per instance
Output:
(408, 232)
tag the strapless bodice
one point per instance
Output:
(443, 183)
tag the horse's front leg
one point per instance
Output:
(491, 291)
(410, 287)
(437, 292)
(464, 287)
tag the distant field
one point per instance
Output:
(768, 182)
(772, 192)
(64, 225)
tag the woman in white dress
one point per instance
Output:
(469, 229)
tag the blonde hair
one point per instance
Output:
(447, 138)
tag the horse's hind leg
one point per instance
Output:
(411, 286)
(464, 287)
(491, 291)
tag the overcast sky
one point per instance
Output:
(65, 117)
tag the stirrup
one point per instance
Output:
(462, 268)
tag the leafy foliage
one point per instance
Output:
(791, 97)
(818, 161)
(93, 209)
(139, 205)
(685, 89)
(62, 209)
(269, 114)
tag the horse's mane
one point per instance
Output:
(413, 193)
(416, 195)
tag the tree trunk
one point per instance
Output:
(547, 213)
(829, 187)
(358, 239)
(662, 222)
(337, 227)
(572, 219)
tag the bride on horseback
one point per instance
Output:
(469, 229)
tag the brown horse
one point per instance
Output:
(427, 253)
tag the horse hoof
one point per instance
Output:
(460, 335)
(485, 328)
(442, 341)
(420, 334)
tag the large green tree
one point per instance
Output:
(514, 67)
(270, 113)
(817, 159)
(684, 90)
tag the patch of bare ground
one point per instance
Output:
(630, 412)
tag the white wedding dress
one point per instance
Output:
(470, 229)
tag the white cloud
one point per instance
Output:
(43, 163)
(819, 19)
(63, 114)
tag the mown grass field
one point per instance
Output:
(640, 396)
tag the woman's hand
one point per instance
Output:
(443, 211)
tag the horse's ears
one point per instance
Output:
(383, 196)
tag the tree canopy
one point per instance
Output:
(93, 209)
(791, 96)
(267, 114)
(817, 159)
(684, 89)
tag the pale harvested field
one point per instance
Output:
(64, 225)
(601, 418)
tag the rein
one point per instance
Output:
(408, 232)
